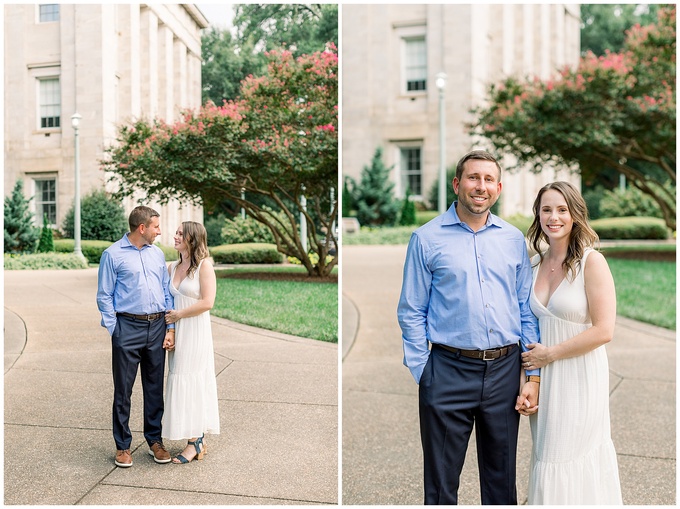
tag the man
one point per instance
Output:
(466, 287)
(132, 296)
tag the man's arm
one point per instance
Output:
(106, 285)
(413, 307)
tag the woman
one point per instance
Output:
(191, 391)
(573, 459)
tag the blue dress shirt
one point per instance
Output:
(465, 289)
(132, 280)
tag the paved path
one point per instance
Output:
(382, 458)
(278, 399)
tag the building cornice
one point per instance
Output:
(196, 15)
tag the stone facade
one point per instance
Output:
(387, 49)
(110, 63)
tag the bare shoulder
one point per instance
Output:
(207, 264)
(596, 259)
(596, 267)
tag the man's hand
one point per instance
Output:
(169, 341)
(527, 401)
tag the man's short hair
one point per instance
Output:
(480, 155)
(141, 215)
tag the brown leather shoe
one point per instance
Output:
(123, 458)
(160, 455)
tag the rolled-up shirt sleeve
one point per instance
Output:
(413, 308)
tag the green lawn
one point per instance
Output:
(306, 309)
(645, 290)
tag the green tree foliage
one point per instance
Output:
(278, 142)
(226, 62)
(46, 244)
(616, 111)
(347, 201)
(228, 59)
(451, 196)
(300, 28)
(373, 195)
(604, 26)
(101, 218)
(408, 210)
(626, 203)
(20, 234)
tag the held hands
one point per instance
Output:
(527, 401)
(169, 341)
(537, 357)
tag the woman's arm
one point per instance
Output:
(207, 299)
(601, 295)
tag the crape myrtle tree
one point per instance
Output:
(616, 111)
(277, 144)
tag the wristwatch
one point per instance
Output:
(534, 378)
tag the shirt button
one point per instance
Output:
(490, 330)
(486, 306)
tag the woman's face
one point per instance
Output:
(179, 238)
(554, 215)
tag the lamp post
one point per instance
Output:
(75, 122)
(440, 81)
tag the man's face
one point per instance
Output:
(479, 186)
(150, 232)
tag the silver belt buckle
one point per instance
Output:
(490, 357)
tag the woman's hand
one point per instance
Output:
(172, 316)
(537, 357)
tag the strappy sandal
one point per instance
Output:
(200, 451)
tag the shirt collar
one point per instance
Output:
(450, 217)
(126, 242)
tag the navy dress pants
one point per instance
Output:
(137, 343)
(456, 392)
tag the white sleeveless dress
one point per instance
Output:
(191, 390)
(573, 459)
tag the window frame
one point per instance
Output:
(404, 174)
(405, 32)
(406, 41)
(39, 203)
(39, 104)
(50, 13)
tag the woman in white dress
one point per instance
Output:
(191, 390)
(573, 458)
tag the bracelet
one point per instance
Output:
(534, 378)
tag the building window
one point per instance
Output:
(415, 64)
(50, 103)
(46, 201)
(411, 170)
(49, 12)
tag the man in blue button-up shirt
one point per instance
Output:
(466, 287)
(133, 295)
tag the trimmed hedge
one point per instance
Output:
(170, 253)
(92, 249)
(620, 228)
(44, 261)
(246, 253)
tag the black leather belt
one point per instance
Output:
(485, 355)
(148, 318)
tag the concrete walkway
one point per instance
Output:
(381, 453)
(278, 400)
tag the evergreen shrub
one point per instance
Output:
(246, 253)
(101, 218)
(42, 261)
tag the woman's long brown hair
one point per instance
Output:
(197, 242)
(582, 235)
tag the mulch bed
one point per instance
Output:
(278, 276)
(655, 256)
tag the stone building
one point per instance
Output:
(391, 55)
(110, 63)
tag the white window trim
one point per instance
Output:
(34, 189)
(44, 74)
(398, 146)
(405, 32)
(37, 14)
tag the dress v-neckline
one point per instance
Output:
(173, 278)
(550, 296)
